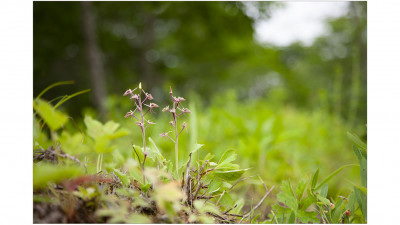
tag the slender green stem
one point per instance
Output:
(176, 142)
(142, 120)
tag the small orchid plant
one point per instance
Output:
(141, 121)
(176, 105)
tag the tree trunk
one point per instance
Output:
(96, 71)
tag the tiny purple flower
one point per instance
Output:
(149, 96)
(153, 105)
(128, 92)
(135, 96)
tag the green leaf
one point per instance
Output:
(352, 201)
(227, 166)
(337, 211)
(360, 155)
(306, 202)
(363, 189)
(206, 219)
(314, 179)
(110, 127)
(292, 218)
(154, 152)
(120, 133)
(44, 173)
(363, 172)
(202, 207)
(230, 174)
(287, 196)
(362, 160)
(123, 177)
(209, 156)
(307, 217)
(73, 144)
(145, 187)
(214, 185)
(226, 201)
(139, 219)
(196, 148)
(323, 200)
(323, 191)
(136, 175)
(55, 119)
(101, 145)
(330, 176)
(254, 220)
(357, 141)
(239, 205)
(225, 186)
(362, 201)
(94, 127)
(228, 156)
(300, 189)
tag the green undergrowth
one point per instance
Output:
(93, 171)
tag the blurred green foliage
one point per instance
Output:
(205, 47)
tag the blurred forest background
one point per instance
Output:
(286, 110)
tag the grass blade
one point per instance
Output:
(54, 85)
(330, 176)
(67, 97)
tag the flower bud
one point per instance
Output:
(128, 114)
(163, 134)
(184, 125)
(332, 206)
(186, 110)
(348, 212)
(166, 108)
(171, 123)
